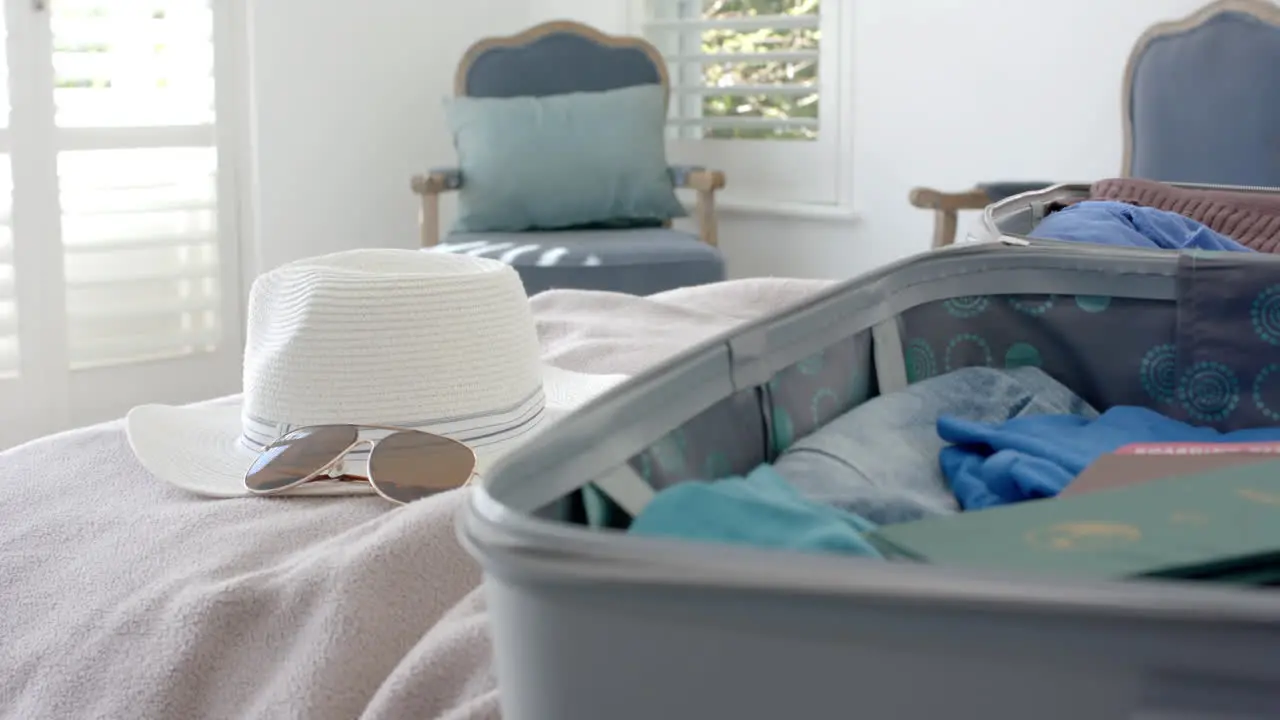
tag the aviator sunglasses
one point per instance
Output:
(403, 465)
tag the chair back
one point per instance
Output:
(555, 58)
(1202, 97)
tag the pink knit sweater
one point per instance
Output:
(1250, 218)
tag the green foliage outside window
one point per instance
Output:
(763, 105)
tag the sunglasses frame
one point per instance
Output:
(326, 472)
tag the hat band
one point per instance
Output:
(476, 431)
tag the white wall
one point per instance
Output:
(611, 16)
(951, 92)
(347, 102)
(945, 93)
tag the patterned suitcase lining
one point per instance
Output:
(1211, 358)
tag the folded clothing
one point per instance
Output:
(1027, 458)
(1103, 222)
(880, 460)
(759, 510)
(1250, 218)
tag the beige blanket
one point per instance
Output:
(122, 597)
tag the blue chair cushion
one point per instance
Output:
(562, 161)
(637, 262)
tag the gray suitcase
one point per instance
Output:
(592, 624)
(1016, 215)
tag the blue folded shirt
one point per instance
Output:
(1037, 456)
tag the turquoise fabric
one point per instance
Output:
(562, 161)
(760, 510)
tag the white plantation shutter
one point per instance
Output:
(137, 176)
(754, 92)
(139, 236)
(761, 83)
(8, 308)
(126, 164)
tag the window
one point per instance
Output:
(8, 309)
(119, 273)
(753, 92)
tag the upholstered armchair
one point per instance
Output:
(1200, 104)
(624, 254)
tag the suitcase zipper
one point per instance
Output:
(1058, 249)
(1229, 188)
(1123, 259)
(1015, 241)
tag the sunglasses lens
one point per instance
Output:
(408, 466)
(298, 455)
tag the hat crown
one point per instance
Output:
(391, 337)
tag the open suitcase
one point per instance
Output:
(593, 624)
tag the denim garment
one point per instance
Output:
(880, 460)
(1105, 222)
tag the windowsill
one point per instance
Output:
(762, 208)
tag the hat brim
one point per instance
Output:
(198, 448)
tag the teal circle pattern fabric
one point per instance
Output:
(965, 343)
(1264, 313)
(1021, 354)
(1093, 303)
(669, 452)
(824, 397)
(1209, 391)
(968, 306)
(716, 465)
(921, 363)
(812, 365)
(1034, 308)
(1158, 372)
(1262, 391)
(784, 429)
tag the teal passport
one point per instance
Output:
(1221, 524)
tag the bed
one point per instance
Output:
(125, 597)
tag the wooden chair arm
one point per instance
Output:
(430, 186)
(945, 207)
(705, 183)
(436, 181)
(704, 180)
(930, 199)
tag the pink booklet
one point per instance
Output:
(1142, 462)
(1183, 449)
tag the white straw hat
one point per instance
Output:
(431, 341)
